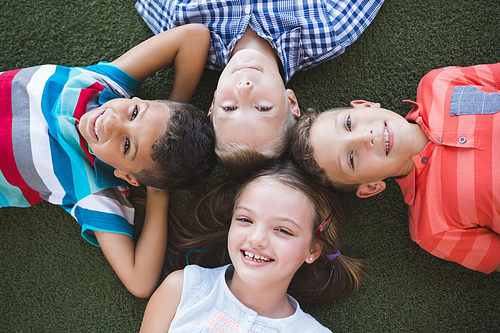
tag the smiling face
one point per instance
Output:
(271, 233)
(121, 132)
(251, 103)
(363, 145)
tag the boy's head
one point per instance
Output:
(355, 148)
(163, 144)
(251, 111)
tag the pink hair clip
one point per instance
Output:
(320, 230)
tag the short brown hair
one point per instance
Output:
(185, 154)
(301, 152)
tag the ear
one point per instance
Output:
(366, 190)
(292, 103)
(315, 252)
(127, 177)
(211, 105)
(364, 104)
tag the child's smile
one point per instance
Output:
(389, 139)
(251, 103)
(121, 132)
(252, 258)
(271, 233)
(358, 145)
(96, 125)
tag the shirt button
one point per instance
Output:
(251, 318)
(439, 140)
(247, 9)
(424, 160)
(462, 139)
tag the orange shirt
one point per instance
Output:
(453, 192)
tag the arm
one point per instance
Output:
(139, 265)
(185, 46)
(162, 306)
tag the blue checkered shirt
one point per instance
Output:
(303, 33)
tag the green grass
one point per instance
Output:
(53, 281)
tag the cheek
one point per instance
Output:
(232, 238)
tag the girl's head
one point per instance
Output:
(270, 235)
(296, 207)
(271, 226)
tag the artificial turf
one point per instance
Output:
(53, 281)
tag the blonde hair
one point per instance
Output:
(242, 160)
(207, 226)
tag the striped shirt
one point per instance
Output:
(453, 192)
(44, 157)
(303, 33)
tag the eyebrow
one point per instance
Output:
(278, 218)
(136, 144)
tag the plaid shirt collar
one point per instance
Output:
(303, 33)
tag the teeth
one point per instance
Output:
(255, 257)
(96, 126)
(386, 133)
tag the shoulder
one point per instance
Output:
(162, 306)
(174, 280)
(302, 321)
(457, 76)
(195, 274)
(170, 289)
(310, 324)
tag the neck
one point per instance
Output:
(267, 301)
(251, 40)
(420, 140)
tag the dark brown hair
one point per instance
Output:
(185, 154)
(301, 152)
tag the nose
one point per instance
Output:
(244, 86)
(364, 138)
(112, 124)
(257, 237)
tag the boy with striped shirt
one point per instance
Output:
(444, 156)
(75, 138)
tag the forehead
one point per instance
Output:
(253, 128)
(326, 142)
(326, 123)
(157, 119)
(271, 196)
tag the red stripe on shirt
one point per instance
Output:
(81, 108)
(10, 172)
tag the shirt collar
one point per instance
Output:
(105, 175)
(289, 56)
(106, 96)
